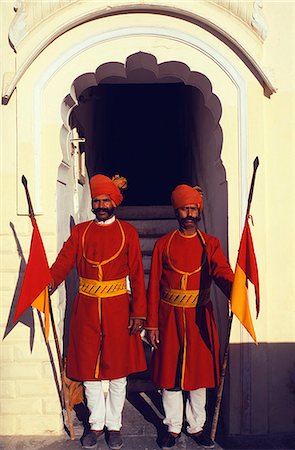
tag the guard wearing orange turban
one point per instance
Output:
(101, 184)
(181, 325)
(104, 341)
(187, 195)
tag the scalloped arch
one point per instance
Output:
(140, 68)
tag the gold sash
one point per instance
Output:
(102, 289)
(185, 298)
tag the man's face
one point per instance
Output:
(102, 207)
(188, 216)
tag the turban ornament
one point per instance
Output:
(101, 184)
(187, 195)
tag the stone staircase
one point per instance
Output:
(151, 223)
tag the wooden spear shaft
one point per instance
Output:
(226, 352)
(62, 373)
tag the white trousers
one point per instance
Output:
(195, 412)
(106, 407)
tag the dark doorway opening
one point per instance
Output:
(140, 133)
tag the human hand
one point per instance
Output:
(135, 325)
(51, 288)
(153, 337)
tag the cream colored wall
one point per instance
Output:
(252, 125)
(279, 119)
(28, 396)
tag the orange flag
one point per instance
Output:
(34, 289)
(246, 269)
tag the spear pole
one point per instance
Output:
(62, 373)
(64, 403)
(230, 319)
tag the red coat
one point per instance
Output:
(188, 353)
(100, 346)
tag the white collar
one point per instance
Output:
(106, 222)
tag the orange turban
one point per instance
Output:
(187, 195)
(101, 184)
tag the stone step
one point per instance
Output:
(155, 227)
(146, 260)
(151, 222)
(147, 244)
(144, 212)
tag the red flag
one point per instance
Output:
(34, 291)
(246, 269)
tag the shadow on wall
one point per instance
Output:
(263, 442)
(27, 318)
(262, 388)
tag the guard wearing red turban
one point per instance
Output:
(105, 342)
(101, 184)
(180, 323)
(186, 195)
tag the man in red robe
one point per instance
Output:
(105, 342)
(180, 323)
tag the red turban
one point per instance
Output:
(187, 195)
(100, 184)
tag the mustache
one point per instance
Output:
(193, 219)
(98, 210)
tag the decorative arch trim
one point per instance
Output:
(195, 19)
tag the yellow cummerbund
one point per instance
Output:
(185, 298)
(102, 289)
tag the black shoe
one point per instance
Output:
(89, 440)
(114, 440)
(202, 440)
(168, 440)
